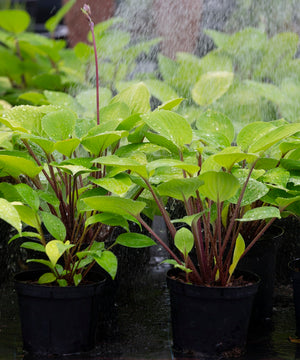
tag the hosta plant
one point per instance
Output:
(222, 188)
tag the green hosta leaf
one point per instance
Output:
(87, 99)
(55, 249)
(29, 196)
(261, 213)
(162, 141)
(232, 155)
(62, 99)
(134, 240)
(119, 184)
(54, 225)
(218, 186)
(251, 132)
(59, 125)
(67, 147)
(277, 176)
(211, 86)
(136, 97)
(171, 104)
(33, 246)
(284, 202)
(15, 21)
(161, 90)
(28, 215)
(77, 279)
(238, 252)
(111, 117)
(97, 143)
(255, 190)
(213, 121)
(184, 241)
(115, 205)
(170, 125)
(108, 262)
(47, 278)
(49, 198)
(180, 189)
(189, 168)
(46, 144)
(74, 170)
(108, 219)
(273, 137)
(9, 214)
(123, 164)
(16, 166)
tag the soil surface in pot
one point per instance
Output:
(137, 324)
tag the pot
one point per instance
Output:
(261, 259)
(210, 321)
(294, 267)
(58, 320)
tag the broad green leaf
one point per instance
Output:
(284, 202)
(123, 164)
(111, 116)
(277, 176)
(29, 196)
(52, 23)
(170, 125)
(108, 219)
(28, 215)
(108, 262)
(67, 147)
(273, 137)
(211, 86)
(213, 121)
(41, 261)
(87, 99)
(184, 241)
(62, 282)
(15, 21)
(134, 240)
(47, 278)
(189, 168)
(118, 185)
(16, 166)
(25, 234)
(255, 190)
(171, 104)
(55, 249)
(180, 189)
(261, 213)
(10, 215)
(161, 90)
(54, 225)
(218, 186)
(46, 144)
(115, 205)
(136, 97)
(232, 155)
(189, 219)
(251, 132)
(74, 170)
(59, 125)
(162, 141)
(33, 246)
(97, 143)
(62, 99)
(238, 252)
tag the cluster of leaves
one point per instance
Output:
(223, 191)
(52, 161)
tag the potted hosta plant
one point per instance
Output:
(210, 299)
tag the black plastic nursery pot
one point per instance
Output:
(210, 321)
(294, 267)
(58, 320)
(261, 259)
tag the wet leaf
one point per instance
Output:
(9, 214)
(135, 240)
(55, 249)
(261, 213)
(184, 241)
(47, 278)
(238, 251)
(33, 246)
(59, 125)
(29, 196)
(108, 262)
(180, 188)
(54, 225)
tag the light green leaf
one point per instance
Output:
(134, 240)
(189, 168)
(170, 125)
(10, 215)
(218, 186)
(29, 196)
(47, 278)
(97, 143)
(52, 23)
(59, 125)
(238, 252)
(277, 176)
(15, 21)
(118, 185)
(261, 213)
(180, 189)
(54, 225)
(184, 241)
(16, 166)
(33, 246)
(211, 86)
(28, 215)
(77, 279)
(108, 262)
(232, 155)
(67, 147)
(108, 219)
(55, 249)
(255, 190)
